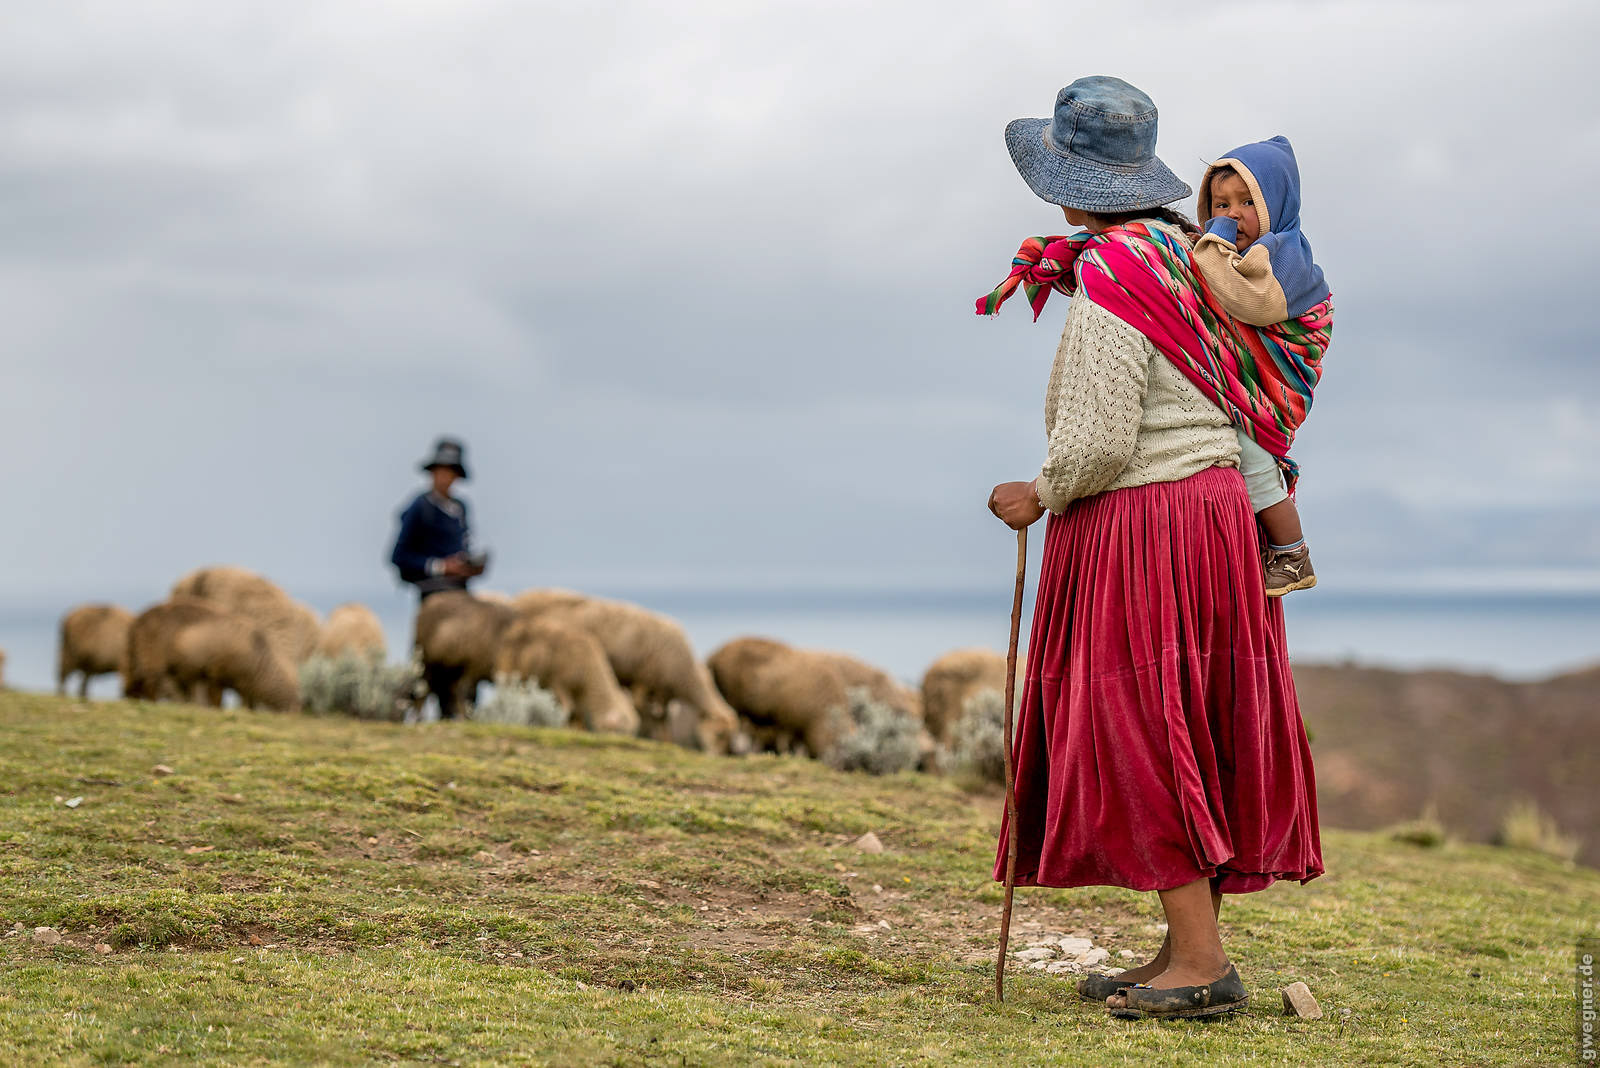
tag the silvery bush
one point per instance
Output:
(882, 742)
(979, 738)
(364, 687)
(521, 702)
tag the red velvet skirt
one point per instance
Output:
(1159, 739)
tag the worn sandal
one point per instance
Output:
(1100, 987)
(1210, 999)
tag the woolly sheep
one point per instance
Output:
(651, 656)
(191, 645)
(94, 639)
(292, 627)
(570, 663)
(953, 678)
(352, 629)
(880, 686)
(458, 637)
(786, 693)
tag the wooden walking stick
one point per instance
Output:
(1011, 785)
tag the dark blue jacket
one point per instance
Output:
(430, 531)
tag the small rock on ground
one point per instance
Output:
(1074, 947)
(161, 769)
(868, 843)
(1037, 953)
(1297, 1001)
(1093, 957)
(48, 936)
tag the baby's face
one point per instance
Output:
(1230, 197)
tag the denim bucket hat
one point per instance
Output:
(1097, 153)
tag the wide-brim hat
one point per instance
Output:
(1097, 152)
(447, 452)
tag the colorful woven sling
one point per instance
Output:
(1262, 377)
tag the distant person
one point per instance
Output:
(1258, 266)
(433, 550)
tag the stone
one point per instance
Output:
(102, 948)
(161, 769)
(1037, 953)
(868, 843)
(1056, 967)
(1297, 1001)
(73, 802)
(1037, 965)
(1126, 954)
(1075, 947)
(483, 856)
(47, 936)
(1093, 957)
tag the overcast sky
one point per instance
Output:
(695, 281)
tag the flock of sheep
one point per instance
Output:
(613, 666)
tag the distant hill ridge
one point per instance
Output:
(1388, 743)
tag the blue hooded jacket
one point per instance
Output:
(1275, 278)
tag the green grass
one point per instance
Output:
(324, 890)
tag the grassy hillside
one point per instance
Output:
(1390, 743)
(335, 891)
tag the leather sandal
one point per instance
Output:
(1100, 987)
(1179, 1002)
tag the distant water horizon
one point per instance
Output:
(1515, 634)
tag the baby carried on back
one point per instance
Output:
(1245, 315)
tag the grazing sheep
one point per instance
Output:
(786, 693)
(570, 663)
(189, 645)
(651, 656)
(953, 678)
(352, 629)
(880, 685)
(292, 627)
(458, 636)
(94, 638)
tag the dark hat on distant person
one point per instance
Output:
(448, 452)
(1097, 151)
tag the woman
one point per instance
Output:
(1159, 743)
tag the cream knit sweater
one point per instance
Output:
(1119, 414)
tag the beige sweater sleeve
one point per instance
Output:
(1093, 406)
(1244, 284)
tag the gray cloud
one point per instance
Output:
(696, 284)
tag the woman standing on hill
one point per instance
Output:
(1159, 745)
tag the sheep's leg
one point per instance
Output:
(83, 687)
(442, 683)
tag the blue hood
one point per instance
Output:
(1270, 170)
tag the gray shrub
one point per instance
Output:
(364, 687)
(882, 741)
(979, 738)
(521, 702)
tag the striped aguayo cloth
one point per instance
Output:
(1262, 377)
